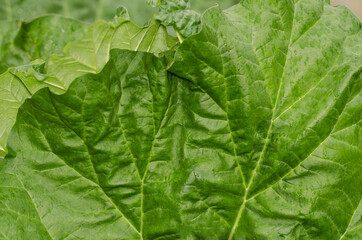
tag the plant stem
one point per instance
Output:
(179, 36)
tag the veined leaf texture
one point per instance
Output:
(251, 129)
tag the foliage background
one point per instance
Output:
(141, 12)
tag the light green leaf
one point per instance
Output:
(16, 85)
(90, 54)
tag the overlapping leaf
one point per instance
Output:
(177, 13)
(91, 53)
(184, 15)
(87, 55)
(21, 42)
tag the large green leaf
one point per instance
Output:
(90, 54)
(21, 42)
(286, 75)
(113, 115)
(87, 10)
(87, 55)
(253, 133)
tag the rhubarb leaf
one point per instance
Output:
(90, 54)
(253, 131)
(114, 115)
(86, 55)
(287, 76)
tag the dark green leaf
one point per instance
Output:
(21, 42)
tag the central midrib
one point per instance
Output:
(155, 132)
(266, 143)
